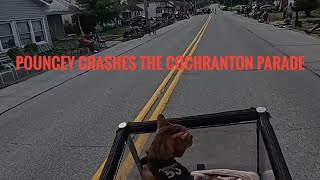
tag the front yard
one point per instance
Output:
(307, 22)
(278, 16)
(113, 34)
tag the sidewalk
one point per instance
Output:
(288, 42)
(17, 94)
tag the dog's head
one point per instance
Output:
(171, 140)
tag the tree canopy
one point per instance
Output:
(102, 11)
(307, 5)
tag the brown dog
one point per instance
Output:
(169, 142)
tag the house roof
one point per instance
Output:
(141, 1)
(133, 7)
(43, 2)
(61, 7)
(166, 7)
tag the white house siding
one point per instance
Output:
(13, 11)
(151, 9)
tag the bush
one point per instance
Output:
(13, 53)
(30, 48)
(71, 28)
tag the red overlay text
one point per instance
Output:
(156, 63)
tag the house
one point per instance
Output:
(183, 6)
(23, 22)
(67, 18)
(32, 21)
(157, 7)
(55, 12)
(131, 11)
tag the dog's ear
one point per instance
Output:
(161, 121)
(184, 136)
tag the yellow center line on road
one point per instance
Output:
(127, 165)
(175, 81)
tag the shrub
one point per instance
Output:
(71, 28)
(12, 53)
(30, 48)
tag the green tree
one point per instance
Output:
(100, 11)
(306, 5)
(202, 3)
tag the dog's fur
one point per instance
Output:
(170, 141)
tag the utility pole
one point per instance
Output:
(184, 6)
(146, 13)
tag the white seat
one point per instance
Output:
(225, 174)
(268, 175)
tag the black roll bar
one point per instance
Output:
(252, 115)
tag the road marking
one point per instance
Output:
(127, 165)
(175, 81)
(162, 86)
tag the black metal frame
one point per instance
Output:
(253, 115)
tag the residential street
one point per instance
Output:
(60, 125)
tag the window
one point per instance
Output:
(38, 30)
(24, 32)
(6, 36)
(21, 32)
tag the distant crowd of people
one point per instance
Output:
(256, 13)
(263, 15)
(289, 13)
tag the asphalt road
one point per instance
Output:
(67, 132)
(292, 98)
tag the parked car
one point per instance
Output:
(198, 11)
(224, 8)
(206, 10)
(137, 20)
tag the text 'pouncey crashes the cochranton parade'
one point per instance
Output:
(131, 63)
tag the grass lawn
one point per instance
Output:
(278, 16)
(110, 34)
(65, 43)
(314, 14)
(113, 33)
